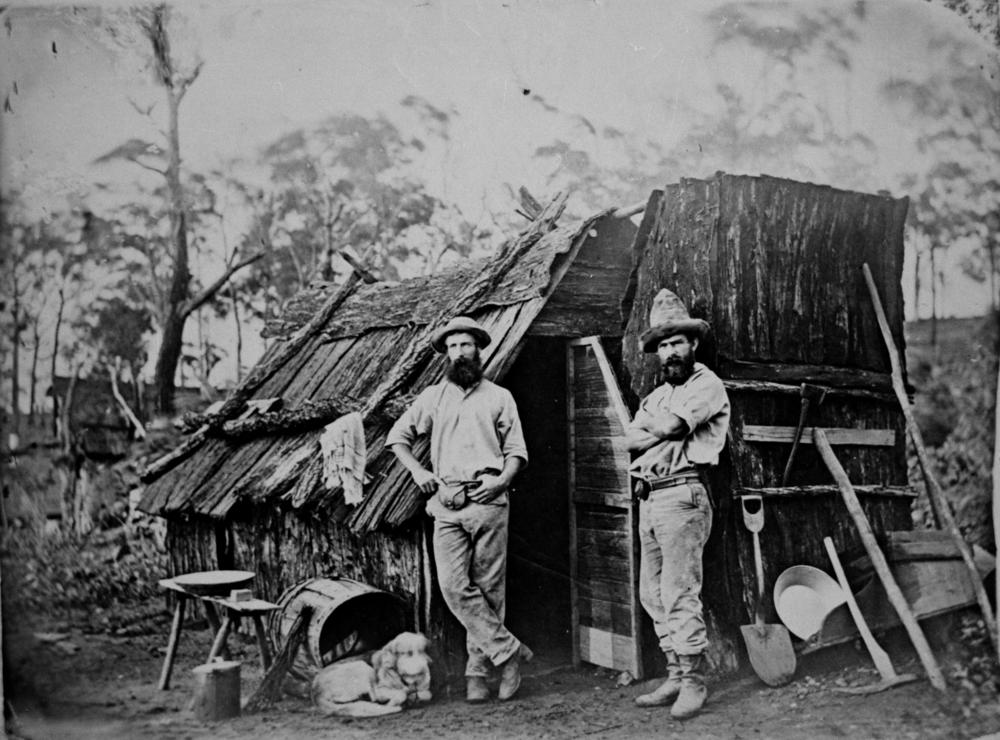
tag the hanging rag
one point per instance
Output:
(343, 446)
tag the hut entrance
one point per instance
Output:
(538, 578)
(572, 556)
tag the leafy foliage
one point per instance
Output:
(351, 182)
(955, 409)
(100, 586)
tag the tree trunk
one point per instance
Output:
(55, 354)
(916, 284)
(993, 272)
(33, 376)
(933, 300)
(167, 361)
(173, 326)
(69, 457)
(15, 381)
(239, 335)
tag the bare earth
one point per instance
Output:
(106, 688)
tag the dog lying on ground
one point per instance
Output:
(398, 675)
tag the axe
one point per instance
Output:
(808, 393)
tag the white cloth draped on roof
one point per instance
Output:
(343, 446)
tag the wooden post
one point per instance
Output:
(938, 502)
(892, 589)
(262, 643)
(175, 634)
(216, 691)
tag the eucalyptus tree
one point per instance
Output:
(349, 192)
(174, 76)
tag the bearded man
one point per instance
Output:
(678, 431)
(476, 449)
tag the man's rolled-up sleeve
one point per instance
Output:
(414, 422)
(706, 397)
(512, 442)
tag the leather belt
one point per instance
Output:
(642, 487)
(670, 481)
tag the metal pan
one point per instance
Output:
(214, 582)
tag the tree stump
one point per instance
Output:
(216, 691)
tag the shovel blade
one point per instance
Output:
(769, 647)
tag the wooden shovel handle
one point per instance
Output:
(879, 656)
(892, 589)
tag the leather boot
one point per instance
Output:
(510, 673)
(665, 693)
(693, 691)
(476, 691)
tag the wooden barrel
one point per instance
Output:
(348, 617)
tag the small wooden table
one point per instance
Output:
(231, 610)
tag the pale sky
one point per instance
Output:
(642, 66)
(271, 67)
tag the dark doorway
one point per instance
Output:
(538, 592)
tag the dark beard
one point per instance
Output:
(676, 372)
(465, 372)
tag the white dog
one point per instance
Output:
(399, 674)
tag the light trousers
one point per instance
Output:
(674, 524)
(470, 552)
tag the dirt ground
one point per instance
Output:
(104, 686)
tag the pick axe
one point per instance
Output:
(809, 394)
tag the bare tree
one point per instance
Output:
(175, 80)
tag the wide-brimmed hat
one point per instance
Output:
(460, 324)
(668, 316)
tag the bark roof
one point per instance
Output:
(371, 356)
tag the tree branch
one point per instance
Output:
(149, 167)
(206, 295)
(144, 112)
(188, 81)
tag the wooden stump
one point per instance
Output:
(216, 691)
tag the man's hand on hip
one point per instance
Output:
(490, 487)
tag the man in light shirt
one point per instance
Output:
(476, 449)
(678, 431)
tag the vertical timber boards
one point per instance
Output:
(603, 553)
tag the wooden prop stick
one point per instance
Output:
(939, 504)
(892, 589)
(996, 492)
(269, 690)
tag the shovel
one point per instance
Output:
(769, 646)
(879, 656)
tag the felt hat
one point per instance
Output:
(667, 317)
(460, 324)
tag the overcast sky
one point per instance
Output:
(272, 67)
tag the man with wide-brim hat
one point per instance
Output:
(668, 316)
(476, 449)
(460, 324)
(676, 435)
